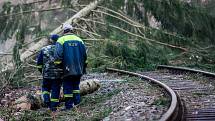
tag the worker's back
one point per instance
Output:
(50, 70)
(74, 55)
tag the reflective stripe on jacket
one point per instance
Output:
(71, 50)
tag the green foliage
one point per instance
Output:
(16, 55)
(18, 72)
(65, 2)
(34, 116)
(128, 56)
(130, 7)
(115, 4)
(188, 25)
(90, 104)
(95, 115)
(6, 8)
(126, 51)
(98, 116)
(6, 113)
(9, 24)
(162, 101)
(94, 100)
(183, 18)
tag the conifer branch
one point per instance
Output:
(2, 54)
(134, 23)
(38, 1)
(27, 12)
(133, 34)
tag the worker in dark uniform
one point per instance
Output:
(71, 52)
(51, 74)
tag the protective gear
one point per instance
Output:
(45, 60)
(53, 86)
(54, 37)
(67, 27)
(51, 76)
(71, 50)
(71, 91)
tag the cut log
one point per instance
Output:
(84, 12)
(28, 102)
(89, 86)
(22, 103)
(34, 101)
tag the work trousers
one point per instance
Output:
(71, 91)
(51, 86)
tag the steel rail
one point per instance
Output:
(174, 113)
(186, 69)
(205, 112)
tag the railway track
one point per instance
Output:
(175, 111)
(198, 97)
(191, 100)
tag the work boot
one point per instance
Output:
(76, 98)
(68, 103)
(47, 104)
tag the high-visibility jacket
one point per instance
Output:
(45, 63)
(71, 52)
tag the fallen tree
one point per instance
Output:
(74, 19)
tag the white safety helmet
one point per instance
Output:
(67, 27)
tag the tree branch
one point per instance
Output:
(144, 38)
(2, 54)
(132, 22)
(44, 10)
(38, 1)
